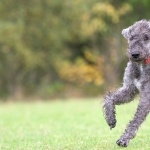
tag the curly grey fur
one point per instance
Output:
(136, 80)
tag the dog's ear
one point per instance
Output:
(125, 33)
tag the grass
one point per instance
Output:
(65, 125)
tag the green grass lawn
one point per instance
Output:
(66, 125)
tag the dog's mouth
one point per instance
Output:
(137, 59)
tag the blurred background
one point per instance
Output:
(64, 48)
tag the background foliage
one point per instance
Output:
(53, 48)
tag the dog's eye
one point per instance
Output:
(146, 37)
(131, 38)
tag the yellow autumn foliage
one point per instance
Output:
(106, 9)
(93, 20)
(82, 72)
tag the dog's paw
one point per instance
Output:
(122, 143)
(112, 123)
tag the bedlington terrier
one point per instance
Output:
(136, 80)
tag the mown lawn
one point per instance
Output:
(66, 125)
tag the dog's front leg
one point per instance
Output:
(121, 96)
(140, 115)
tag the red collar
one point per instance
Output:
(147, 61)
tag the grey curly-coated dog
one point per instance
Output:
(136, 80)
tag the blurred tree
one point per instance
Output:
(45, 44)
(86, 41)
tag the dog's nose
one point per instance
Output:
(135, 55)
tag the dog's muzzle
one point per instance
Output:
(136, 57)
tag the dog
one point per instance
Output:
(136, 80)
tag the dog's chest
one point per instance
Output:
(137, 83)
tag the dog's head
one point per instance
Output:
(138, 36)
